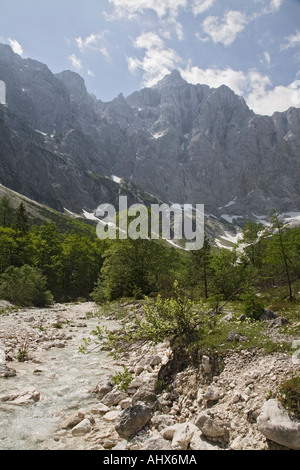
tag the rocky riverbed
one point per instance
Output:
(43, 378)
(52, 397)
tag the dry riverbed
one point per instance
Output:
(54, 380)
(59, 399)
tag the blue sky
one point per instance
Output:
(119, 46)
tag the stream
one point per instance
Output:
(62, 376)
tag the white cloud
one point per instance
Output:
(200, 6)
(158, 60)
(171, 22)
(94, 42)
(270, 6)
(267, 57)
(275, 4)
(76, 62)
(224, 30)
(256, 88)
(292, 41)
(162, 8)
(279, 98)
(16, 47)
(90, 73)
(214, 77)
(148, 41)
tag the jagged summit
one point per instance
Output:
(73, 82)
(174, 78)
(179, 142)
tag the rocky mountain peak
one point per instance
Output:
(74, 83)
(174, 79)
(177, 141)
(6, 51)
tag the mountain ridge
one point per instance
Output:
(175, 142)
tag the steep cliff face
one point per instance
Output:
(179, 142)
(209, 147)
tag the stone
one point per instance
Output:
(169, 431)
(268, 314)
(114, 397)
(71, 421)
(278, 322)
(205, 363)
(154, 360)
(24, 397)
(133, 419)
(198, 442)
(122, 445)
(103, 388)
(150, 360)
(183, 435)
(138, 370)
(6, 372)
(144, 394)
(126, 403)
(211, 424)
(236, 397)
(228, 317)
(156, 443)
(234, 336)
(161, 422)
(109, 444)
(275, 423)
(136, 382)
(82, 428)
(213, 393)
(111, 415)
(100, 409)
(58, 344)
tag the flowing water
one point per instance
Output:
(64, 379)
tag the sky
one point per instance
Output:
(121, 46)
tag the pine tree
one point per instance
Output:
(279, 251)
(6, 212)
(21, 219)
(200, 266)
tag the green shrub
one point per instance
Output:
(176, 320)
(122, 379)
(252, 307)
(289, 396)
(25, 286)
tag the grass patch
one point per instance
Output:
(254, 334)
(289, 396)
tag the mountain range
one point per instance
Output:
(174, 142)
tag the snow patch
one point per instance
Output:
(159, 135)
(71, 213)
(40, 132)
(90, 215)
(291, 215)
(292, 218)
(232, 238)
(116, 179)
(230, 203)
(262, 219)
